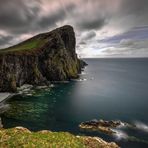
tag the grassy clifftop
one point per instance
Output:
(34, 43)
(28, 45)
(41, 41)
(22, 137)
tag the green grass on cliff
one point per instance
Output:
(23, 138)
(33, 43)
(13, 138)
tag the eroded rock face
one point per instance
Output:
(55, 60)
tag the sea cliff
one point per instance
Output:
(46, 57)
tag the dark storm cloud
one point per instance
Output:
(51, 19)
(131, 13)
(89, 35)
(23, 17)
(82, 43)
(5, 39)
(27, 16)
(134, 6)
(91, 24)
(16, 16)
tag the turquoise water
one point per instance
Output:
(111, 89)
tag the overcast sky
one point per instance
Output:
(104, 28)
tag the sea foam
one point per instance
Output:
(141, 126)
(120, 135)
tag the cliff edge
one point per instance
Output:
(22, 137)
(37, 61)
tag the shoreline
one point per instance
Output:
(4, 96)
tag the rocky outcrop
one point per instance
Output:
(46, 57)
(102, 126)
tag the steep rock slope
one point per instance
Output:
(46, 57)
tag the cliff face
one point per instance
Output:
(46, 57)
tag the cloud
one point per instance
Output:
(91, 24)
(126, 47)
(82, 43)
(127, 42)
(88, 35)
(16, 16)
(133, 43)
(50, 20)
(5, 40)
(100, 25)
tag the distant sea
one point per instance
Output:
(109, 89)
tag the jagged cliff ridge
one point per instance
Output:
(46, 57)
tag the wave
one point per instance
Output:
(141, 126)
(120, 135)
(79, 80)
(83, 73)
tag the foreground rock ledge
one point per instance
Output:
(46, 57)
(22, 137)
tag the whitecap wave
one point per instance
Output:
(120, 135)
(122, 125)
(83, 79)
(79, 80)
(83, 73)
(141, 126)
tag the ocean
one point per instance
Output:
(109, 89)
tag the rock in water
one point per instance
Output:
(101, 125)
(37, 61)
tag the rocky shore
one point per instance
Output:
(106, 127)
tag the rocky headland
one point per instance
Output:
(37, 61)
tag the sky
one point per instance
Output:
(104, 28)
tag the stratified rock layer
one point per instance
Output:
(46, 57)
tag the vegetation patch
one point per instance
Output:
(22, 137)
(30, 44)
